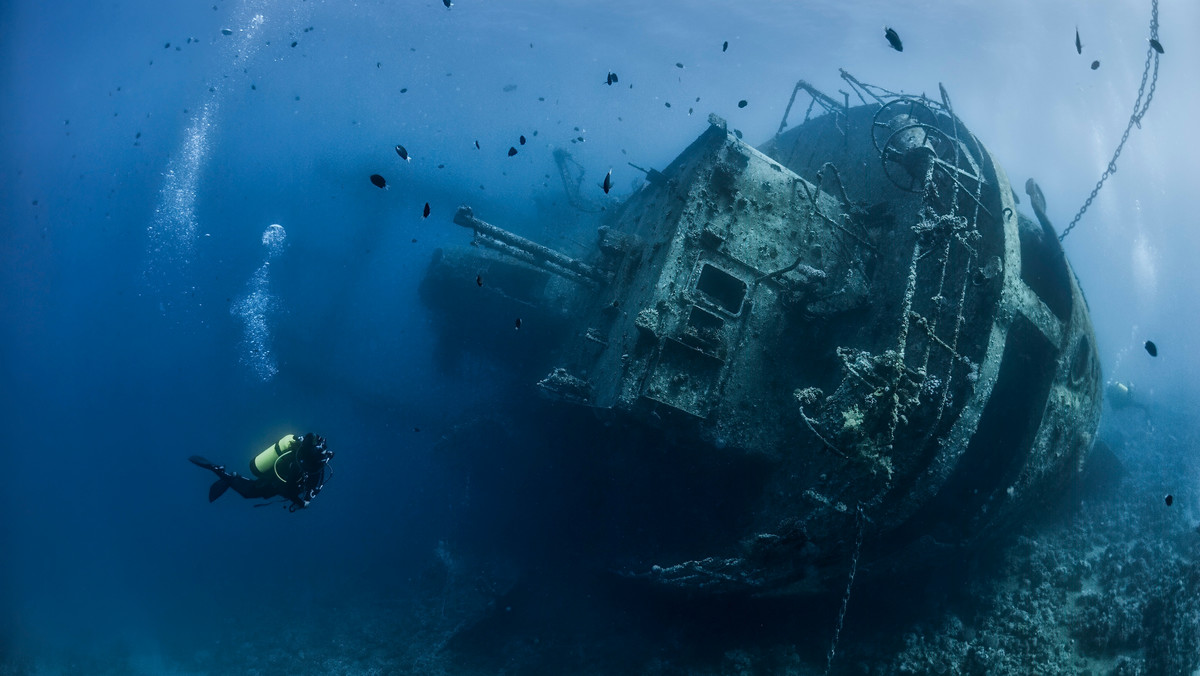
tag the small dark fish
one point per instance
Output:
(425, 213)
(517, 324)
(742, 103)
(294, 43)
(521, 140)
(678, 64)
(404, 90)
(612, 77)
(1156, 45)
(1095, 65)
(725, 47)
(607, 185)
(893, 39)
(403, 153)
(1170, 499)
(447, 3)
(667, 104)
(478, 280)
(510, 88)
(416, 429)
(226, 31)
(1078, 44)
(511, 151)
(378, 181)
(476, 145)
(1151, 348)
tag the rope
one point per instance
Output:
(1139, 110)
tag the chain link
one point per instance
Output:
(860, 521)
(1139, 110)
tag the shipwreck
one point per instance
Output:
(855, 309)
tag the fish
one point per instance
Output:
(478, 280)
(378, 181)
(1151, 348)
(476, 145)
(226, 31)
(403, 153)
(1156, 45)
(517, 324)
(725, 46)
(678, 64)
(521, 140)
(612, 77)
(607, 185)
(447, 3)
(742, 103)
(1078, 44)
(294, 43)
(1169, 499)
(893, 39)
(1095, 65)
(511, 151)
(425, 213)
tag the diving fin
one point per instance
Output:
(202, 462)
(218, 488)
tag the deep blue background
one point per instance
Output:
(120, 357)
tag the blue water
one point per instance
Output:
(151, 310)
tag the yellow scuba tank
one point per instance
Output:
(264, 463)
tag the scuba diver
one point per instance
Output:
(293, 467)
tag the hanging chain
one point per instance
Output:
(1139, 110)
(860, 520)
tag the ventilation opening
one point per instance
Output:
(703, 320)
(724, 289)
(1044, 267)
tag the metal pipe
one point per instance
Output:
(541, 256)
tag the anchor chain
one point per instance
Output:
(860, 518)
(1139, 110)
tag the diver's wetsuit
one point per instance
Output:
(299, 479)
